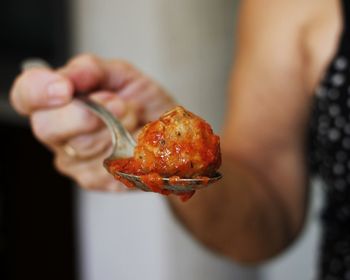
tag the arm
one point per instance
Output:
(259, 206)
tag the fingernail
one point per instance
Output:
(58, 92)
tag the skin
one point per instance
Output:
(258, 208)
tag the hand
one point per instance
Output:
(78, 139)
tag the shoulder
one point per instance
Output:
(270, 31)
(289, 34)
(288, 13)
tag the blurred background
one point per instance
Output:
(50, 229)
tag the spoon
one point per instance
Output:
(124, 144)
(123, 147)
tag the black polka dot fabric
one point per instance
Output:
(330, 159)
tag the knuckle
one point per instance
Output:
(115, 186)
(14, 96)
(89, 121)
(91, 145)
(87, 181)
(60, 164)
(85, 58)
(130, 122)
(29, 90)
(126, 64)
(20, 89)
(43, 129)
(86, 70)
(30, 74)
(123, 64)
(39, 128)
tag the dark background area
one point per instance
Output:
(31, 28)
(36, 203)
(36, 219)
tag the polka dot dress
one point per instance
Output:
(330, 159)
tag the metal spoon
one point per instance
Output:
(123, 147)
(124, 144)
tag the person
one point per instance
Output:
(289, 83)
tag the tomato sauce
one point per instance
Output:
(186, 196)
(178, 145)
(152, 180)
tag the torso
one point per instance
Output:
(329, 137)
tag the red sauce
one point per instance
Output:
(155, 182)
(176, 181)
(204, 179)
(126, 182)
(186, 196)
(178, 145)
(152, 180)
(125, 165)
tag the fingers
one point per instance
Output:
(120, 74)
(149, 96)
(86, 72)
(89, 174)
(124, 111)
(40, 88)
(86, 146)
(55, 126)
(150, 99)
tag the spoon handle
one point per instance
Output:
(122, 141)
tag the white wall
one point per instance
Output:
(186, 44)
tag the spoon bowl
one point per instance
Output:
(181, 185)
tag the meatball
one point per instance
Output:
(178, 144)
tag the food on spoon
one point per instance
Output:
(178, 145)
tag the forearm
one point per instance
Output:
(240, 217)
